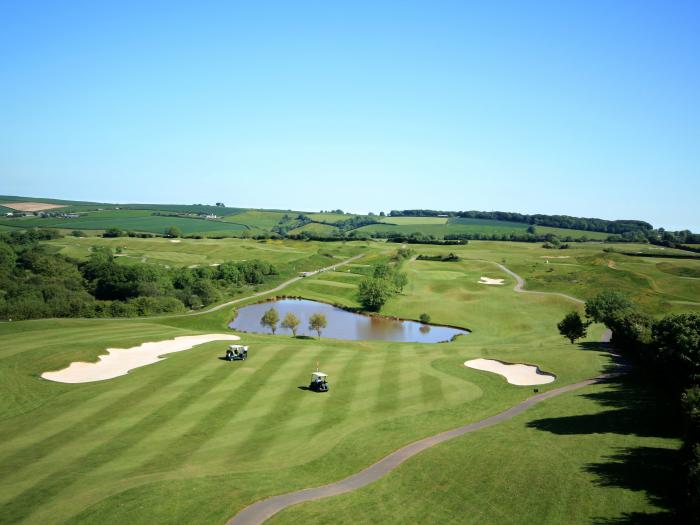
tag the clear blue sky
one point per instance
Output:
(585, 108)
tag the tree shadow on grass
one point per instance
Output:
(634, 406)
(651, 470)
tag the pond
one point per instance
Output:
(342, 324)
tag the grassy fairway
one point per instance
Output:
(592, 456)
(193, 439)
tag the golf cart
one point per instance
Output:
(318, 382)
(236, 353)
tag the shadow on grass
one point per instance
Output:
(651, 470)
(634, 406)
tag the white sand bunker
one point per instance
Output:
(118, 361)
(515, 374)
(175, 240)
(487, 280)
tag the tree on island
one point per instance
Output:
(572, 327)
(291, 322)
(317, 322)
(270, 319)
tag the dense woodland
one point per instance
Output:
(35, 283)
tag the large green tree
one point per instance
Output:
(572, 327)
(373, 293)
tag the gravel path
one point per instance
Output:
(261, 511)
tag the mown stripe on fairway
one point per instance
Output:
(283, 410)
(89, 424)
(432, 391)
(387, 397)
(348, 383)
(52, 485)
(205, 428)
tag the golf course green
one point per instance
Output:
(195, 439)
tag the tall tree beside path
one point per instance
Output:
(291, 322)
(572, 327)
(270, 319)
(317, 322)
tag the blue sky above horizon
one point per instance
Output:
(579, 108)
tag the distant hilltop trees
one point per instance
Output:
(556, 221)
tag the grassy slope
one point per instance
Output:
(193, 439)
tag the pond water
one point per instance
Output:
(342, 324)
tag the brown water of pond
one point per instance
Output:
(342, 324)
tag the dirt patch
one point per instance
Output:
(31, 206)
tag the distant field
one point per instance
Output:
(413, 220)
(136, 220)
(260, 219)
(457, 225)
(31, 206)
(314, 227)
(329, 217)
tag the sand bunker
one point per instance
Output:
(31, 206)
(118, 361)
(515, 374)
(175, 240)
(487, 280)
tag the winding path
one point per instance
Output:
(263, 510)
(520, 282)
(277, 288)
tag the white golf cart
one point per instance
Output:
(319, 382)
(236, 353)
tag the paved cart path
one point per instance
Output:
(261, 511)
(278, 287)
(520, 282)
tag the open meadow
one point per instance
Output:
(194, 439)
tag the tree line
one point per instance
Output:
(271, 318)
(670, 346)
(37, 283)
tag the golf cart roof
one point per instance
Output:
(234, 347)
(319, 374)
